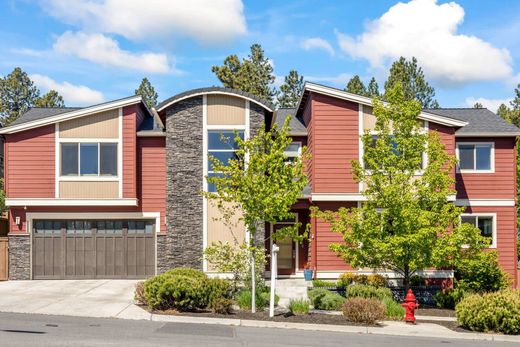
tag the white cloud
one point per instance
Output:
(317, 43)
(491, 104)
(72, 94)
(428, 31)
(104, 50)
(207, 21)
(339, 80)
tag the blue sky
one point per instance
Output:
(98, 50)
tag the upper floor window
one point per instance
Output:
(486, 224)
(293, 151)
(88, 159)
(222, 146)
(422, 164)
(475, 157)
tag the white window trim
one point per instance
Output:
(494, 223)
(292, 154)
(492, 159)
(99, 176)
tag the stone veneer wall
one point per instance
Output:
(182, 246)
(19, 257)
(183, 243)
(256, 120)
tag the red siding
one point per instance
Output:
(506, 236)
(151, 163)
(141, 115)
(335, 139)
(129, 152)
(308, 121)
(13, 227)
(326, 260)
(30, 170)
(497, 185)
(447, 137)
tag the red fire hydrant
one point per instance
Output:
(410, 304)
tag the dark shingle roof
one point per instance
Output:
(296, 123)
(480, 121)
(214, 89)
(36, 113)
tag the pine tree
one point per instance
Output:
(147, 92)
(17, 94)
(411, 77)
(253, 74)
(478, 105)
(356, 86)
(50, 99)
(373, 88)
(291, 90)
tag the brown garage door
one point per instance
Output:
(86, 249)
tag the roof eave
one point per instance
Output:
(488, 134)
(72, 115)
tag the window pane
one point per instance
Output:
(485, 224)
(211, 187)
(294, 147)
(466, 157)
(69, 159)
(89, 159)
(108, 159)
(149, 227)
(215, 140)
(224, 157)
(469, 219)
(484, 157)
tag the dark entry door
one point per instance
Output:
(286, 254)
(88, 249)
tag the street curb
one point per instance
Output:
(389, 328)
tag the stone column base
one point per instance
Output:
(19, 257)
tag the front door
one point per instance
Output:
(286, 254)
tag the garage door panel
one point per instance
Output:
(88, 249)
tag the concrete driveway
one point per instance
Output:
(85, 298)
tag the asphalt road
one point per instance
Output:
(43, 330)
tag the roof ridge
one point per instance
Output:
(457, 108)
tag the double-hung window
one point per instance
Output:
(88, 159)
(293, 151)
(485, 222)
(222, 146)
(475, 157)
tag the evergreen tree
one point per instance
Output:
(50, 99)
(147, 92)
(478, 105)
(291, 90)
(17, 94)
(253, 74)
(373, 88)
(411, 77)
(356, 86)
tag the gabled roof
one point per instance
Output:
(341, 94)
(215, 90)
(296, 123)
(481, 122)
(44, 116)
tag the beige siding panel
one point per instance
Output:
(102, 125)
(89, 190)
(226, 110)
(369, 120)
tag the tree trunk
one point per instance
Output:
(253, 275)
(406, 279)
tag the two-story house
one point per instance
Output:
(113, 190)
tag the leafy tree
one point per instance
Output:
(356, 86)
(253, 74)
(260, 183)
(291, 90)
(17, 95)
(147, 92)
(407, 223)
(411, 77)
(50, 99)
(373, 88)
(478, 105)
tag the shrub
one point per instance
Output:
(368, 292)
(179, 292)
(361, 310)
(498, 311)
(394, 310)
(349, 278)
(299, 306)
(243, 299)
(322, 283)
(315, 295)
(265, 295)
(184, 271)
(481, 273)
(322, 299)
(217, 288)
(449, 298)
(417, 280)
(376, 280)
(221, 305)
(139, 293)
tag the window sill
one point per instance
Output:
(89, 178)
(475, 171)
